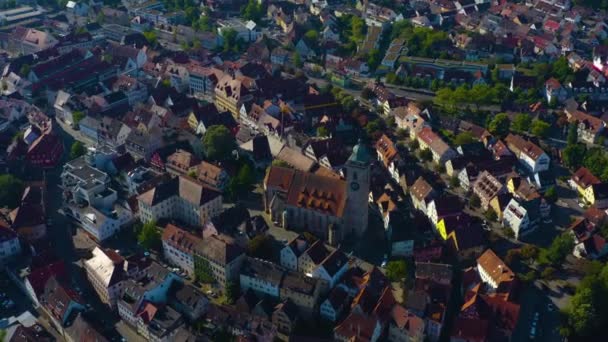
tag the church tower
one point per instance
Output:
(357, 169)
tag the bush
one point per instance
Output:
(396, 270)
(77, 150)
(11, 189)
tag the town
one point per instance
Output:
(303, 170)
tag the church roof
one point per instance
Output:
(360, 153)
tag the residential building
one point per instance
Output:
(106, 272)
(231, 93)
(100, 224)
(589, 128)
(211, 175)
(486, 187)
(180, 162)
(28, 220)
(528, 153)
(180, 198)
(582, 180)
(83, 183)
(305, 292)
(188, 301)
(493, 271)
(60, 302)
(334, 305)
(522, 216)
(217, 257)
(292, 251)
(285, 317)
(421, 193)
(597, 195)
(404, 326)
(428, 139)
(262, 277)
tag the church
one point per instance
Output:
(330, 207)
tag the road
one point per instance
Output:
(60, 234)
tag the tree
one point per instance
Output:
(529, 252)
(561, 246)
(260, 247)
(396, 270)
(583, 313)
(474, 201)
(521, 123)
(11, 189)
(499, 125)
(149, 237)
(252, 11)
(232, 291)
(425, 155)
(322, 131)
(573, 155)
(551, 194)
(218, 143)
(548, 273)
(297, 60)
(413, 145)
(540, 128)
(24, 70)
(572, 134)
(77, 150)
(242, 182)
(373, 59)
(151, 37)
(281, 163)
(454, 181)
(464, 138)
(367, 93)
(491, 216)
(77, 116)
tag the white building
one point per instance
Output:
(100, 224)
(85, 184)
(180, 198)
(105, 273)
(263, 277)
(522, 217)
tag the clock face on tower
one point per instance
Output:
(354, 186)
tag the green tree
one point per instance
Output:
(491, 216)
(229, 40)
(474, 201)
(24, 70)
(573, 155)
(232, 291)
(396, 270)
(583, 314)
(529, 252)
(242, 182)
(252, 11)
(281, 163)
(551, 194)
(373, 59)
(464, 138)
(540, 128)
(572, 134)
(77, 116)
(499, 125)
(561, 246)
(202, 270)
(297, 60)
(414, 145)
(149, 237)
(454, 181)
(322, 131)
(260, 247)
(548, 273)
(151, 37)
(425, 155)
(218, 143)
(11, 189)
(77, 150)
(521, 123)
